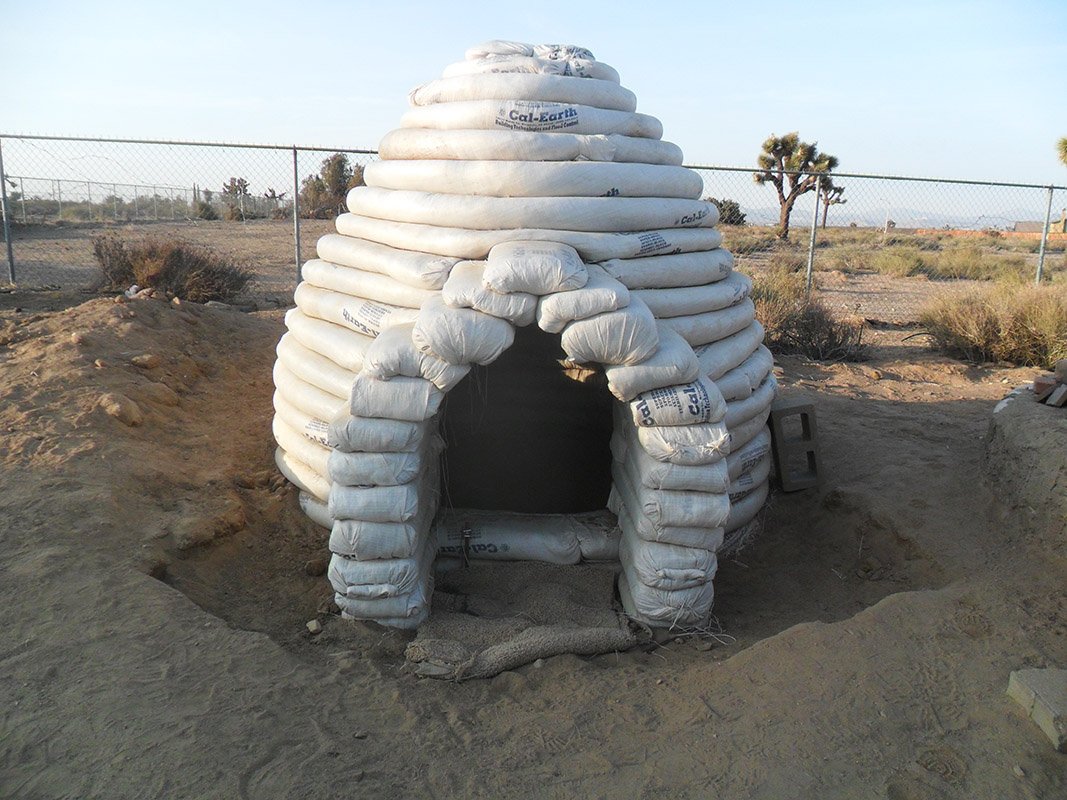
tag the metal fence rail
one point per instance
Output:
(876, 246)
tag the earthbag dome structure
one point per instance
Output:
(523, 188)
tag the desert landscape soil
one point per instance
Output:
(154, 580)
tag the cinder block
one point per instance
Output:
(1044, 385)
(1043, 695)
(797, 462)
(1058, 397)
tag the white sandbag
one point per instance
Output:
(476, 212)
(422, 270)
(698, 329)
(693, 403)
(689, 445)
(478, 534)
(313, 428)
(532, 116)
(377, 469)
(505, 145)
(742, 380)
(621, 502)
(673, 363)
(402, 398)
(601, 294)
(460, 335)
(312, 400)
(744, 510)
(393, 353)
(375, 435)
(750, 480)
(537, 267)
(315, 510)
(466, 289)
(625, 336)
(666, 566)
(376, 503)
(667, 508)
(535, 178)
(578, 67)
(364, 316)
(558, 51)
(301, 475)
(748, 455)
(498, 47)
(741, 435)
(600, 542)
(740, 411)
(529, 86)
(300, 447)
(371, 580)
(659, 608)
(313, 368)
(718, 358)
(402, 611)
(688, 300)
(713, 477)
(372, 540)
(475, 244)
(360, 283)
(673, 270)
(339, 344)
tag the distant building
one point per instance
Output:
(1055, 226)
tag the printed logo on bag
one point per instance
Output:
(526, 115)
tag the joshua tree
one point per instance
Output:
(1061, 149)
(792, 167)
(830, 196)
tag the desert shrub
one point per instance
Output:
(785, 261)
(797, 323)
(204, 210)
(168, 264)
(976, 264)
(1022, 325)
(749, 240)
(898, 261)
(730, 212)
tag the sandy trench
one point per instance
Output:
(154, 591)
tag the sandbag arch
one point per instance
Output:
(411, 243)
(680, 552)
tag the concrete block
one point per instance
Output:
(796, 458)
(1058, 398)
(1043, 695)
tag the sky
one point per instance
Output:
(969, 90)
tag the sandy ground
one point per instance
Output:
(61, 256)
(154, 587)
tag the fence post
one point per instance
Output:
(296, 214)
(814, 228)
(1044, 239)
(7, 226)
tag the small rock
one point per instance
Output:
(99, 363)
(146, 361)
(316, 567)
(539, 663)
(873, 374)
(314, 627)
(1061, 370)
(1018, 771)
(78, 338)
(359, 735)
(177, 301)
(121, 298)
(659, 681)
(217, 304)
(121, 408)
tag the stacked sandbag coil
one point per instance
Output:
(522, 188)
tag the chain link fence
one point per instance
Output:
(875, 247)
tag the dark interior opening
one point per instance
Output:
(524, 435)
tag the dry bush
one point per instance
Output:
(1022, 325)
(799, 324)
(168, 264)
